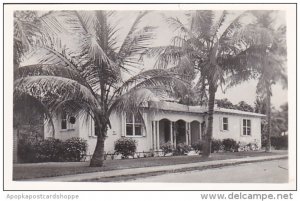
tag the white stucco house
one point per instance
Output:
(167, 122)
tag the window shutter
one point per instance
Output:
(241, 126)
(221, 123)
(144, 130)
(123, 124)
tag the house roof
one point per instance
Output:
(176, 107)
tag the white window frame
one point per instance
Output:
(225, 123)
(69, 126)
(247, 127)
(133, 123)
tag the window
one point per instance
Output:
(67, 122)
(64, 120)
(225, 123)
(133, 125)
(246, 127)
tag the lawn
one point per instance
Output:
(38, 170)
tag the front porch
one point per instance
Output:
(176, 132)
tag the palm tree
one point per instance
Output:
(88, 78)
(209, 44)
(272, 60)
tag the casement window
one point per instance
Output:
(67, 122)
(134, 125)
(246, 127)
(225, 125)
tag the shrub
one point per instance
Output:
(229, 144)
(74, 149)
(125, 146)
(51, 150)
(167, 147)
(279, 142)
(28, 150)
(216, 145)
(198, 146)
(182, 149)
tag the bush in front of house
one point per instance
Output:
(27, 150)
(74, 149)
(216, 145)
(51, 150)
(229, 144)
(167, 148)
(198, 146)
(182, 149)
(125, 146)
(279, 142)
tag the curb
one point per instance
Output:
(155, 173)
(126, 174)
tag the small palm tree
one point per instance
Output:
(88, 79)
(209, 44)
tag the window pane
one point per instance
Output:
(244, 122)
(138, 130)
(248, 122)
(129, 118)
(129, 130)
(225, 127)
(137, 118)
(64, 124)
(248, 131)
(225, 120)
(244, 131)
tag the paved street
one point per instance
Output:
(275, 171)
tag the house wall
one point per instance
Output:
(59, 133)
(235, 130)
(84, 128)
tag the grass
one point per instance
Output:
(51, 169)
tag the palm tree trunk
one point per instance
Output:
(268, 145)
(98, 156)
(208, 137)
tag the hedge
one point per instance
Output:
(51, 150)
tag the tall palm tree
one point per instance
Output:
(272, 61)
(210, 44)
(88, 79)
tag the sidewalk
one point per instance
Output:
(107, 175)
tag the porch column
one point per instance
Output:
(171, 132)
(153, 135)
(157, 135)
(187, 133)
(200, 131)
(190, 133)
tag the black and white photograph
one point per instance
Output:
(150, 96)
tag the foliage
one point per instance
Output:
(225, 103)
(74, 149)
(198, 146)
(167, 147)
(279, 142)
(51, 150)
(125, 146)
(243, 106)
(182, 149)
(216, 145)
(229, 144)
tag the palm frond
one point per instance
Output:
(52, 90)
(49, 70)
